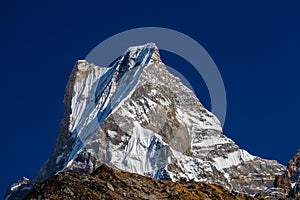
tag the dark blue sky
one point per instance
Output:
(255, 45)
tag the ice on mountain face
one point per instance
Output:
(145, 152)
(233, 159)
(139, 117)
(98, 92)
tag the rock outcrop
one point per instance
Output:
(286, 185)
(108, 182)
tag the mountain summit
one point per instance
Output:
(138, 117)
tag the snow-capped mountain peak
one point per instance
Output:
(137, 116)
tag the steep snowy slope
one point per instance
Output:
(138, 117)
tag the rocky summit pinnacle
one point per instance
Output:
(138, 117)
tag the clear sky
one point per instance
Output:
(255, 45)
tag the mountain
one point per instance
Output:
(108, 182)
(292, 174)
(138, 117)
(286, 185)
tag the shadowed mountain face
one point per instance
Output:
(108, 182)
(137, 116)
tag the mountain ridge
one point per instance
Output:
(140, 118)
(109, 182)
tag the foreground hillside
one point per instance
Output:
(108, 182)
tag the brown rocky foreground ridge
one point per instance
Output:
(108, 182)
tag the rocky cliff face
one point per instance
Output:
(293, 172)
(137, 116)
(286, 185)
